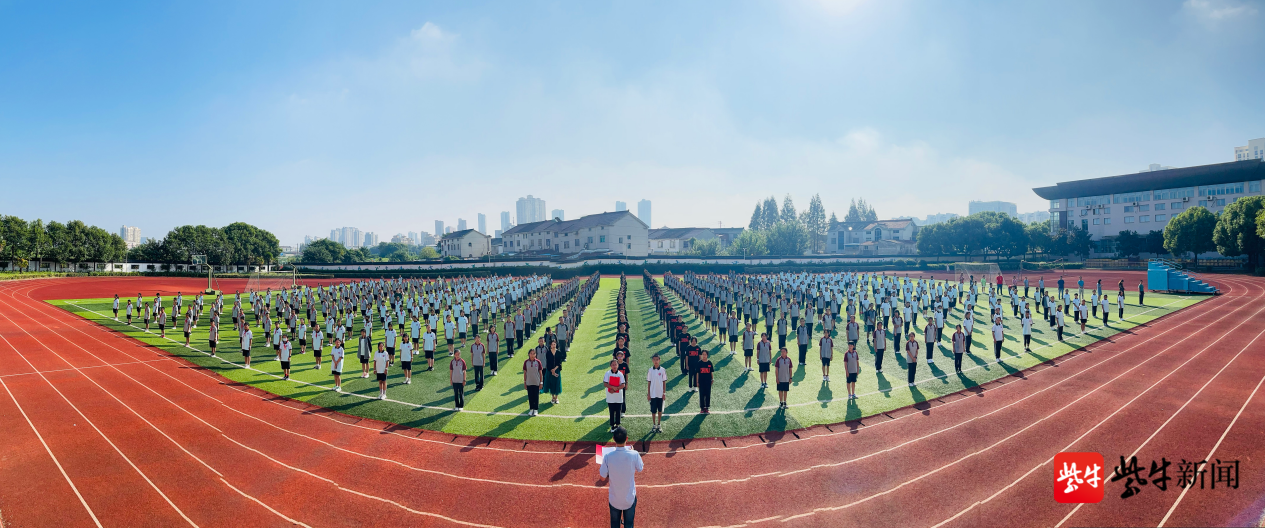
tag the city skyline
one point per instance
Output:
(474, 108)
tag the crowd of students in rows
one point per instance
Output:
(413, 314)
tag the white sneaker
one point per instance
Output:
(338, 388)
(932, 360)
(911, 384)
(382, 396)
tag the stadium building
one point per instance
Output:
(1146, 201)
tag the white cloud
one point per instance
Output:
(1214, 10)
(430, 31)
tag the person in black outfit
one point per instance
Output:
(620, 347)
(704, 373)
(692, 352)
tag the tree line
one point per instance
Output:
(238, 243)
(73, 242)
(326, 251)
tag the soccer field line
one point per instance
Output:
(1126, 404)
(594, 416)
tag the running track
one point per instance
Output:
(101, 430)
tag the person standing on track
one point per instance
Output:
(533, 381)
(1141, 294)
(246, 337)
(911, 357)
(785, 369)
(478, 359)
(1120, 304)
(116, 307)
(827, 350)
(656, 383)
(162, 321)
(620, 467)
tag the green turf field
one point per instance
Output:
(739, 406)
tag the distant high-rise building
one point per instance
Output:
(531, 209)
(447, 230)
(498, 234)
(483, 223)
(424, 239)
(938, 218)
(505, 221)
(131, 236)
(643, 212)
(558, 213)
(1000, 207)
(620, 206)
(1255, 149)
(347, 236)
(413, 236)
(370, 239)
(461, 224)
(439, 228)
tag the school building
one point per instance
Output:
(618, 233)
(466, 243)
(1146, 201)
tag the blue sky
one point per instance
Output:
(302, 116)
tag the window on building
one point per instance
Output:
(672, 243)
(1093, 200)
(1160, 207)
(1128, 219)
(1144, 218)
(621, 240)
(1106, 221)
(1223, 189)
(1084, 224)
(1084, 212)
(1146, 207)
(1128, 208)
(1054, 204)
(590, 238)
(660, 243)
(602, 239)
(1096, 221)
(1161, 218)
(1220, 202)
(1174, 194)
(1144, 196)
(1254, 186)
(1176, 206)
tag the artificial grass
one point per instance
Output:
(739, 406)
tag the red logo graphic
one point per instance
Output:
(1078, 478)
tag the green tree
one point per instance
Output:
(814, 220)
(934, 240)
(833, 224)
(1190, 232)
(58, 242)
(14, 234)
(751, 241)
(854, 213)
(704, 248)
(757, 218)
(428, 253)
(771, 215)
(323, 251)
(788, 211)
(1130, 243)
(251, 245)
(1155, 243)
(867, 211)
(787, 238)
(1038, 236)
(1236, 234)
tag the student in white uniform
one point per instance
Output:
(1026, 322)
(478, 359)
(656, 382)
(246, 337)
(852, 368)
(999, 337)
(457, 375)
(336, 364)
(380, 361)
(615, 383)
(428, 348)
(406, 361)
(283, 354)
(826, 346)
(316, 345)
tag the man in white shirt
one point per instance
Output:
(619, 467)
(247, 336)
(999, 337)
(656, 381)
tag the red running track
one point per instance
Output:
(101, 430)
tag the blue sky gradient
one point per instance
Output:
(302, 116)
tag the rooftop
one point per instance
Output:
(567, 226)
(1234, 171)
